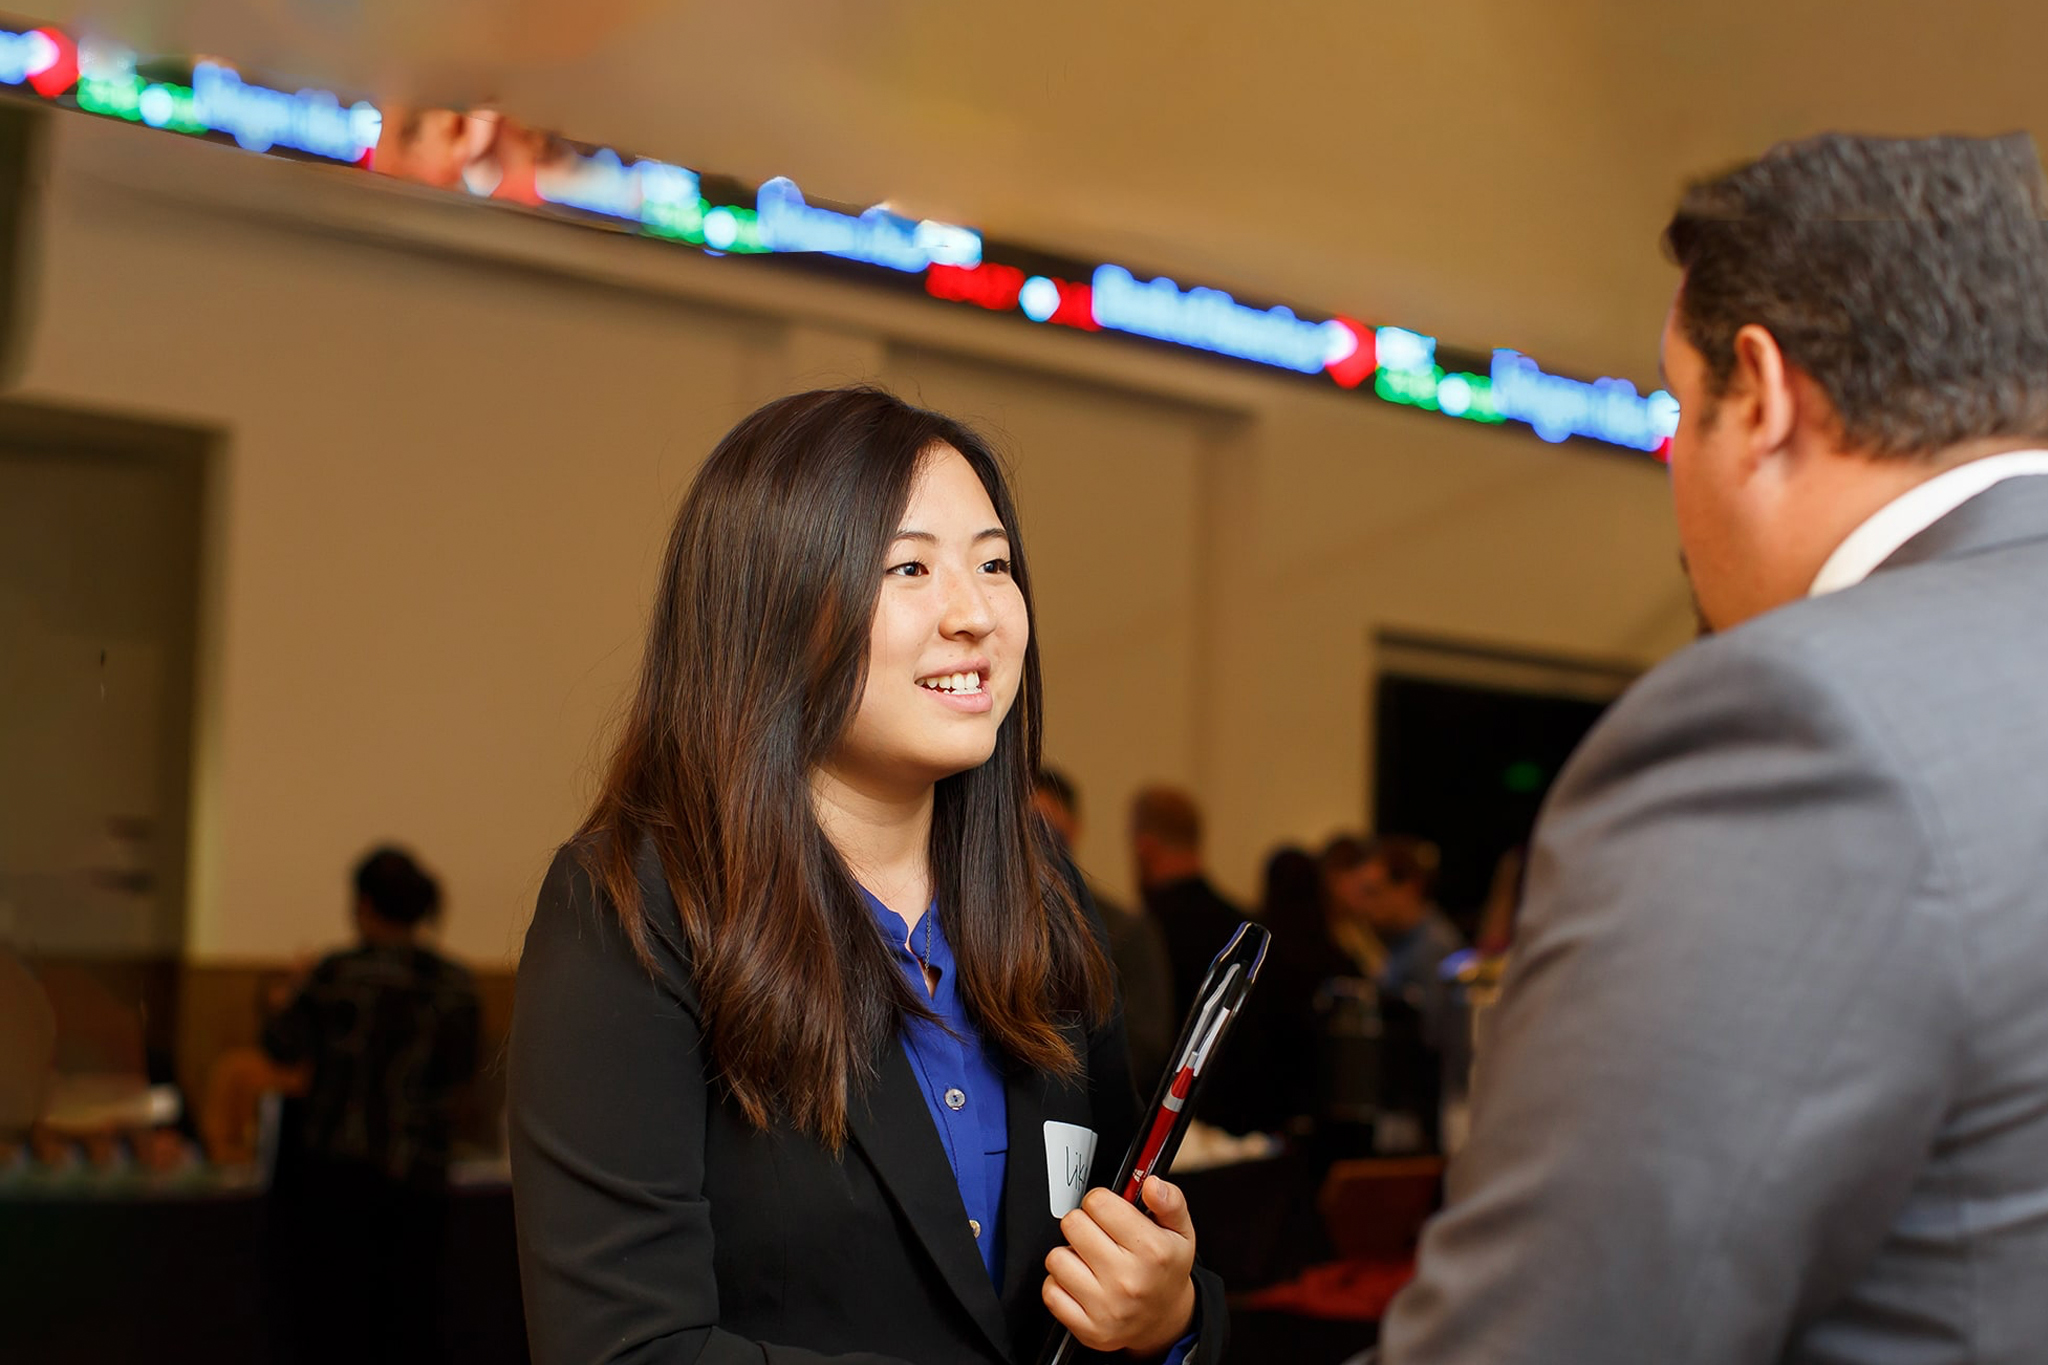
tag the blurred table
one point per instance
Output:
(124, 1273)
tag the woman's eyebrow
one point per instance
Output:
(992, 533)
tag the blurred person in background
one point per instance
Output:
(1768, 1078)
(1346, 891)
(1193, 917)
(387, 1033)
(812, 1003)
(1295, 906)
(1136, 949)
(1276, 1058)
(1395, 881)
(1379, 890)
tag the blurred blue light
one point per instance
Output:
(1454, 395)
(260, 118)
(158, 107)
(721, 229)
(876, 237)
(1211, 320)
(1039, 298)
(1558, 408)
(25, 54)
(1400, 349)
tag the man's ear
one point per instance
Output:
(1762, 397)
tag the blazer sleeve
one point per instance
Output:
(608, 1104)
(1115, 1102)
(1721, 1049)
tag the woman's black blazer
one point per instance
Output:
(656, 1224)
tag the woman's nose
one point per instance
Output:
(968, 610)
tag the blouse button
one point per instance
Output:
(974, 1226)
(956, 1098)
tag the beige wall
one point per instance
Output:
(451, 440)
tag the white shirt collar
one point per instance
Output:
(1913, 511)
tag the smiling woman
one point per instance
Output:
(811, 973)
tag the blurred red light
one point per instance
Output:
(986, 286)
(61, 74)
(1353, 369)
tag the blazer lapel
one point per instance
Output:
(1030, 1231)
(893, 1129)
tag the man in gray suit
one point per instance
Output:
(1769, 1080)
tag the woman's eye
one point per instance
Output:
(908, 569)
(1001, 566)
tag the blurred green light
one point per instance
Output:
(1523, 778)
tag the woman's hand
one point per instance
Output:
(1122, 1281)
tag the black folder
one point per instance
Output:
(1217, 1005)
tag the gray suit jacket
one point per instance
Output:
(1769, 1081)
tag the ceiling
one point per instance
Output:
(1492, 172)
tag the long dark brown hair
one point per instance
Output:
(755, 664)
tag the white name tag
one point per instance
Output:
(1069, 1152)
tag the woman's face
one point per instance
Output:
(946, 649)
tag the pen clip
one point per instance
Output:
(1209, 1025)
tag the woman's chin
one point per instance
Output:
(950, 760)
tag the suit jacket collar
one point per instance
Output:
(893, 1129)
(2008, 513)
(1030, 1231)
(1026, 1208)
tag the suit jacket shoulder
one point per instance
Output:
(1769, 1078)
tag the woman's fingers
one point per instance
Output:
(1169, 1206)
(1085, 1234)
(1068, 1313)
(1122, 1280)
(1125, 1224)
(1067, 1269)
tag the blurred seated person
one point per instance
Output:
(388, 1030)
(1193, 918)
(1393, 885)
(241, 1076)
(1136, 949)
(1347, 890)
(1397, 878)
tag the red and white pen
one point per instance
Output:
(1168, 1113)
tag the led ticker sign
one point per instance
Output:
(876, 237)
(1607, 410)
(1211, 320)
(489, 155)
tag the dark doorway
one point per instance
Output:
(1469, 741)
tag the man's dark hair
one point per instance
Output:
(1060, 787)
(1342, 853)
(1409, 861)
(1907, 277)
(395, 887)
(1169, 815)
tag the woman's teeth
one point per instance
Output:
(952, 682)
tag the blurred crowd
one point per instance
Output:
(1358, 1036)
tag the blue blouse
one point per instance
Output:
(962, 1085)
